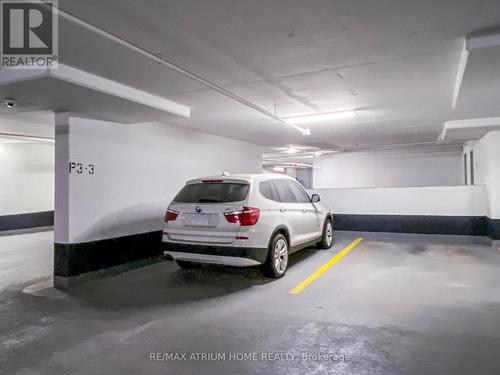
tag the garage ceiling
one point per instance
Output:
(395, 62)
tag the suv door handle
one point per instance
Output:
(304, 210)
(282, 209)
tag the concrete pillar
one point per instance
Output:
(61, 199)
(487, 172)
(82, 254)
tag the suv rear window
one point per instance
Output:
(211, 192)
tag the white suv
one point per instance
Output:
(244, 220)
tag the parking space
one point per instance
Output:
(395, 304)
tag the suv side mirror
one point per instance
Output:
(315, 198)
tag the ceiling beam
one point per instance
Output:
(462, 64)
(482, 39)
(487, 38)
(483, 125)
(94, 82)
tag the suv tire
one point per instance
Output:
(277, 258)
(327, 236)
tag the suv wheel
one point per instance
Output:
(277, 259)
(327, 237)
(185, 264)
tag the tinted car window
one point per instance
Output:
(268, 190)
(212, 193)
(300, 194)
(284, 190)
(265, 190)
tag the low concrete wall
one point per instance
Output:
(459, 210)
(434, 200)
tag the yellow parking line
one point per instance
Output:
(321, 269)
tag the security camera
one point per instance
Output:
(10, 103)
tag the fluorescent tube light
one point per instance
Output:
(320, 117)
(11, 138)
(291, 150)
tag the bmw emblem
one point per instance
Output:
(198, 209)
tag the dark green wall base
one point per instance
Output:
(78, 258)
(493, 228)
(26, 221)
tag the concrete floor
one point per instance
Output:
(396, 304)
(25, 258)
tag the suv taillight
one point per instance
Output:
(246, 216)
(170, 215)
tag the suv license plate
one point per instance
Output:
(198, 220)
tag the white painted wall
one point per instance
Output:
(26, 168)
(487, 168)
(27, 178)
(304, 176)
(138, 170)
(435, 200)
(34, 123)
(402, 168)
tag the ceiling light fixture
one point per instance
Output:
(320, 117)
(10, 103)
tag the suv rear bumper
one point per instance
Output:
(227, 255)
